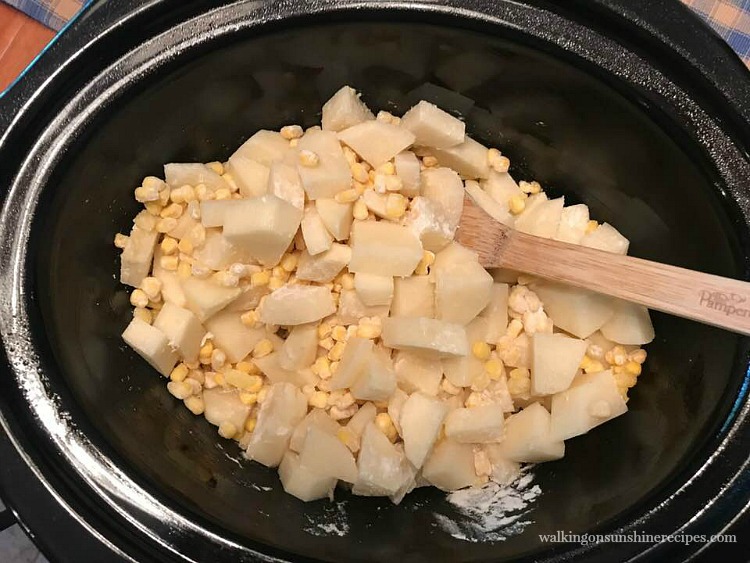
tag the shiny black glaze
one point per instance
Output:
(657, 150)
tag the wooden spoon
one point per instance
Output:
(705, 298)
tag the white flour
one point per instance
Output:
(333, 522)
(492, 513)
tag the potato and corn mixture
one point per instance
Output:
(308, 299)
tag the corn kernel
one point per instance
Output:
(594, 367)
(152, 288)
(387, 169)
(349, 439)
(207, 349)
(262, 394)
(250, 319)
(195, 405)
(218, 378)
(218, 359)
(429, 161)
(535, 187)
(184, 270)
(168, 246)
(514, 328)
(326, 343)
(197, 374)
(423, 268)
(595, 352)
(637, 356)
(334, 366)
(494, 368)
(308, 158)
(481, 350)
(360, 211)
(275, 283)
(166, 225)
(519, 373)
(519, 386)
(290, 132)
(497, 161)
(169, 263)
(248, 398)
(319, 400)
(339, 333)
(222, 194)
(347, 196)
(591, 226)
(322, 367)
(227, 430)
(385, 424)
(616, 356)
(395, 205)
(324, 329)
(185, 246)
(585, 362)
(359, 172)
(143, 314)
(179, 389)
(633, 368)
(260, 278)
(263, 348)
(336, 352)
(516, 204)
(368, 330)
(172, 211)
(179, 373)
(121, 241)
(138, 298)
(289, 262)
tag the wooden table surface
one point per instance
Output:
(21, 39)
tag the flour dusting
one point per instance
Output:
(333, 521)
(492, 513)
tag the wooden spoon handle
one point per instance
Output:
(706, 298)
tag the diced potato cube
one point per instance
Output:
(433, 127)
(427, 220)
(468, 159)
(421, 419)
(501, 186)
(496, 312)
(351, 309)
(385, 249)
(577, 311)
(151, 344)
(184, 225)
(378, 381)
(301, 482)
(284, 182)
(325, 266)
(413, 297)
(265, 147)
(218, 253)
(444, 187)
(605, 237)
(395, 406)
(264, 227)
(283, 409)
(528, 437)
(171, 290)
(232, 336)
(451, 466)
(272, 369)
(364, 416)
(415, 372)
(296, 305)
(377, 142)
(316, 236)
(193, 173)
(409, 170)
(630, 325)
(373, 289)
(477, 425)
(318, 418)
(542, 220)
(573, 222)
(554, 362)
(205, 298)
(213, 211)
(344, 110)
(487, 203)
(353, 364)
(250, 176)
(337, 217)
(183, 329)
(327, 455)
(249, 298)
(300, 347)
(332, 173)
(504, 471)
(383, 468)
(224, 405)
(593, 400)
(461, 292)
(136, 257)
(463, 370)
(427, 335)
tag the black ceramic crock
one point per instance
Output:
(631, 106)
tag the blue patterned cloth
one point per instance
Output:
(730, 18)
